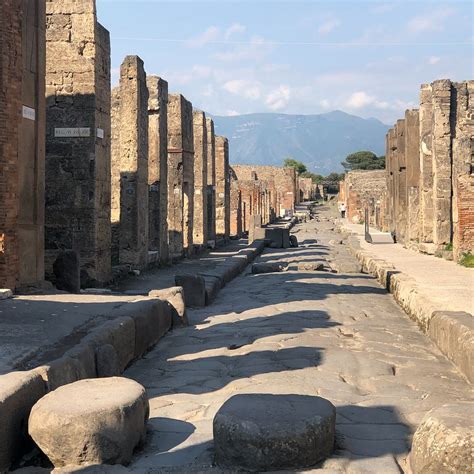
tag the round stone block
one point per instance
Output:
(263, 432)
(443, 443)
(92, 421)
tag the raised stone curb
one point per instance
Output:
(452, 332)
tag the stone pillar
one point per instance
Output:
(463, 169)
(442, 187)
(211, 180)
(31, 145)
(158, 166)
(200, 226)
(222, 188)
(426, 165)
(402, 194)
(235, 206)
(180, 174)
(78, 138)
(10, 119)
(130, 163)
(392, 181)
(412, 153)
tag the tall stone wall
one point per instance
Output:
(78, 138)
(180, 174)
(200, 225)
(429, 172)
(236, 221)
(10, 117)
(222, 188)
(130, 164)
(211, 180)
(158, 166)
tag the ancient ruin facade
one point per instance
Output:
(158, 166)
(78, 138)
(431, 168)
(130, 164)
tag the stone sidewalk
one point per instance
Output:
(337, 335)
(38, 328)
(449, 285)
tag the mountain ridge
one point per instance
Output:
(320, 141)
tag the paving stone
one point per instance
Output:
(94, 421)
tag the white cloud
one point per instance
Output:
(279, 98)
(233, 29)
(231, 113)
(211, 34)
(325, 104)
(433, 21)
(328, 26)
(360, 99)
(254, 51)
(434, 60)
(243, 88)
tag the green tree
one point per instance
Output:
(297, 165)
(317, 178)
(363, 160)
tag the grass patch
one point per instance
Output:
(449, 247)
(467, 260)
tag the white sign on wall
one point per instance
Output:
(100, 133)
(198, 191)
(72, 132)
(29, 113)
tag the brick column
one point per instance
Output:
(463, 169)
(200, 226)
(426, 165)
(442, 187)
(10, 117)
(412, 153)
(158, 166)
(211, 180)
(130, 163)
(180, 174)
(78, 138)
(222, 188)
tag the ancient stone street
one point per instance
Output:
(337, 335)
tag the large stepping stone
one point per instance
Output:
(443, 443)
(262, 432)
(93, 421)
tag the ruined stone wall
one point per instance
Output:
(250, 192)
(306, 189)
(10, 117)
(130, 164)
(284, 180)
(211, 180)
(78, 138)
(429, 171)
(180, 174)
(200, 225)
(364, 189)
(158, 166)
(222, 188)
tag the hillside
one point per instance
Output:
(320, 141)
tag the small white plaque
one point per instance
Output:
(176, 190)
(198, 191)
(72, 132)
(29, 113)
(221, 195)
(100, 133)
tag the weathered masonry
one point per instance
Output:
(180, 175)
(22, 145)
(130, 165)
(200, 225)
(222, 188)
(158, 166)
(78, 138)
(211, 180)
(428, 200)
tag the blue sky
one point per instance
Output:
(304, 57)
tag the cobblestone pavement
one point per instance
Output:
(336, 335)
